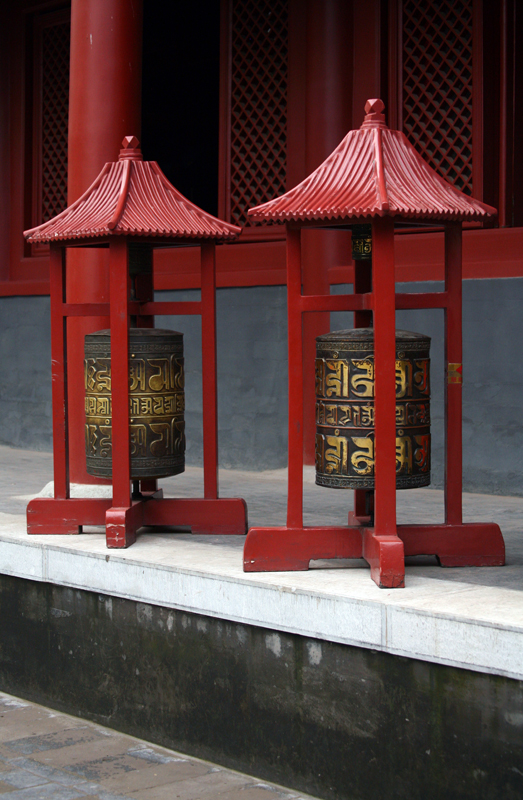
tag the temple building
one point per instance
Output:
(309, 675)
(238, 101)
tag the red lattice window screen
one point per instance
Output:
(258, 104)
(437, 85)
(51, 110)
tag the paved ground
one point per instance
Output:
(45, 755)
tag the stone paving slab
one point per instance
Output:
(70, 758)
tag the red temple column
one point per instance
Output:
(104, 106)
(328, 118)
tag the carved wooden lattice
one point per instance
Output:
(55, 110)
(437, 85)
(258, 104)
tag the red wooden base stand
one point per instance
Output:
(466, 545)
(52, 516)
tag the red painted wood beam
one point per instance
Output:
(167, 308)
(453, 376)
(421, 300)
(84, 309)
(336, 302)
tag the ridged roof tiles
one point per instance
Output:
(132, 197)
(374, 171)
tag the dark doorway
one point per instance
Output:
(180, 94)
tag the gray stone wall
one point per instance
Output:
(252, 367)
(492, 382)
(252, 376)
(25, 366)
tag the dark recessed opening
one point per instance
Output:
(180, 94)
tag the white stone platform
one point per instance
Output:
(464, 617)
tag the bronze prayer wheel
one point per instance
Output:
(345, 445)
(362, 242)
(156, 403)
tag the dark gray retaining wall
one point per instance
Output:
(339, 722)
(253, 377)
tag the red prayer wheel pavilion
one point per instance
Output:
(375, 176)
(131, 203)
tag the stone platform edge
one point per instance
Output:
(456, 624)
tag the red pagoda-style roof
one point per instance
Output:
(132, 197)
(373, 172)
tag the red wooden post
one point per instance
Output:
(362, 319)
(209, 376)
(144, 291)
(119, 282)
(385, 390)
(59, 373)
(453, 376)
(119, 532)
(382, 548)
(296, 398)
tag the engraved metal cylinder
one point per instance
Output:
(345, 441)
(362, 242)
(156, 403)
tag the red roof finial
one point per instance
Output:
(130, 149)
(374, 116)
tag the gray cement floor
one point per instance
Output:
(46, 755)
(24, 473)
